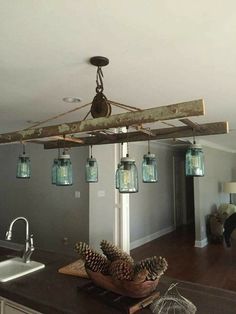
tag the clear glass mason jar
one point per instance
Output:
(128, 176)
(194, 161)
(91, 170)
(149, 168)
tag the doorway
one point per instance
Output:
(183, 193)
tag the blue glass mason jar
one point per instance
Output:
(23, 167)
(194, 161)
(128, 176)
(149, 168)
(117, 177)
(64, 170)
(54, 171)
(91, 170)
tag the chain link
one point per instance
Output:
(99, 82)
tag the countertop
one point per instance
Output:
(50, 292)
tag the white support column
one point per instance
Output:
(116, 233)
(124, 223)
(109, 210)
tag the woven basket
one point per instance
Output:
(127, 288)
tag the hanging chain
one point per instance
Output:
(99, 82)
(64, 144)
(194, 141)
(58, 149)
(127, 129)
(149, 141)
(91, 147)
(23, 148)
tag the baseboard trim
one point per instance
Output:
(202, 243)
(151, 237)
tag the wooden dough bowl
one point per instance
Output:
(127, 288)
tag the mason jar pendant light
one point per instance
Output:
(54, 167)
(194, 161)
(117, 177)
(23, 166)
(91, 169)
(127, 174)
(149, 167)
(54, 171)
(64, 169)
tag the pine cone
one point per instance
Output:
(114, 253)
(140, 276)
(82, 249)
(93, 260)
(121, 270)
(155, 266)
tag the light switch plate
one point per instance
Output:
(77, 194)
(101, 193)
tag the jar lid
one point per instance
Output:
(152, 156)
(24, 156)
(64, 156)
(91, 159)
(127, 159)
(196, 146)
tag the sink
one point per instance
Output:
(15, 267)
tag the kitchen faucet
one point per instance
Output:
(29, 243)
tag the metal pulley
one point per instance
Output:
(100, 105)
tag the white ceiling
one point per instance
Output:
(160, 52)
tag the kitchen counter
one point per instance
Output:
(49, 292)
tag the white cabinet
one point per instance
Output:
(9, 307)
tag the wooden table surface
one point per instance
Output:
(50, 292)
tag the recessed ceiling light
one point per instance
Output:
(71, 99)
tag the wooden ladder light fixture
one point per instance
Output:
(102, 121)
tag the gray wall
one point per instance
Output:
(220, 167)
(53, 212)
(102, 197)
(151, 210)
